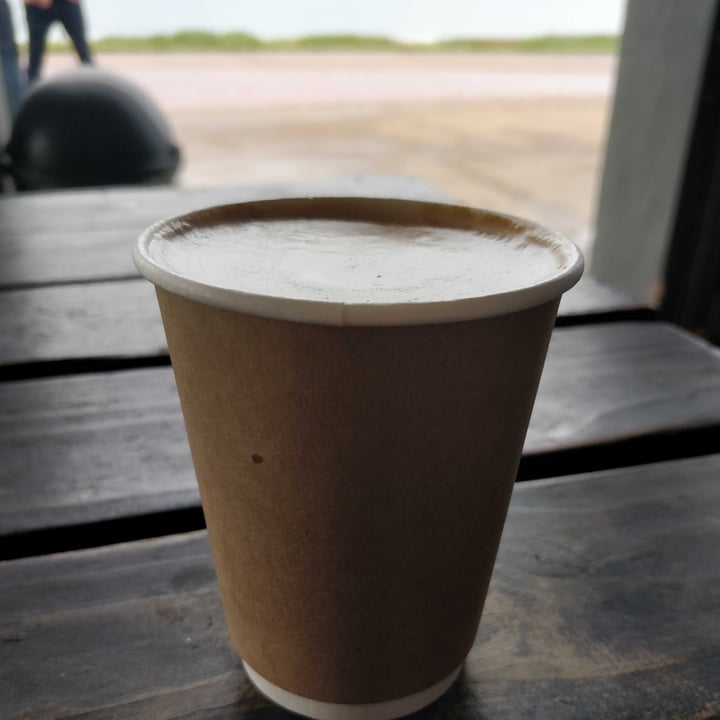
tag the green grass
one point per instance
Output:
(336, 42)
(548, 43)
(198, 40)
(184, 40)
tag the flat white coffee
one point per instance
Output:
(348, 271)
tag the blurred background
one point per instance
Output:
(502, 105)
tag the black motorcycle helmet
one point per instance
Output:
(87, 127)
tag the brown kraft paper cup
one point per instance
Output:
(355, 482)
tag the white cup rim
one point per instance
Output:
(365, 313)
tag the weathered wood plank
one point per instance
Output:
(97, 321)
(589, 301)
(80, 239)
(92, 448)
(86, 235)
(83, 452)
(621, 394)
(605, 603)
(43, 331)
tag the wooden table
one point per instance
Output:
(605, 602)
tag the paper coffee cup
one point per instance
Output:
(356, 378)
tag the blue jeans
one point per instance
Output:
(13, 82)
(9, 59)
(39, 21)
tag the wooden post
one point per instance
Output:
(664, 55)
(692, 273)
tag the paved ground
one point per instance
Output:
(518, 133)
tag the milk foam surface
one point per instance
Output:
(348, 262)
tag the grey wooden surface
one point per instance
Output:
(71, 295)
(113, 319)
(111, 447)
(120, 320)
(607, 383)
(603, 604)
(85, 235)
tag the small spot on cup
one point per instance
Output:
(257, 459)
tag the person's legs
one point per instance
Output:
(70, 15)
(13, 83)
(9, 58)
(38, 21)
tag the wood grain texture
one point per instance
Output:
(607, 383)
(591, 301)
(90, 448)
(96, 321)
(87, 235)
(111, 447)
(605, 603)
(80, 236)
(71, 300)
(47, 330)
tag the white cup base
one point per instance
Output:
(339, 711)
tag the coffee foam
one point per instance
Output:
(350, 271)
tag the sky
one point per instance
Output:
(414, 20)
